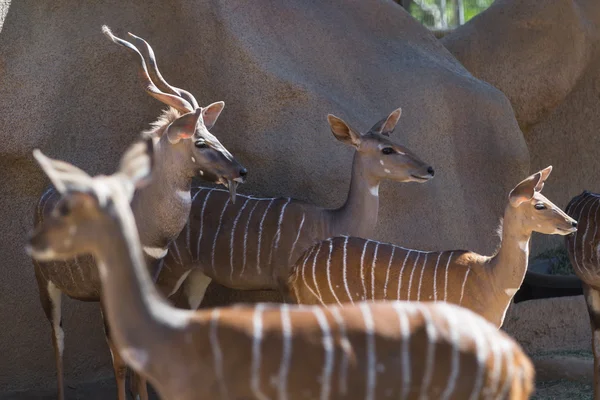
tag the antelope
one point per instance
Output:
(253, 244)
(348, 269)
(184, 148)
(365, 351)
(582, 247)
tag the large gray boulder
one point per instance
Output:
(544, 56)
(280, 66)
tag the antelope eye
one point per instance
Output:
(201, 144)
(540, 206)
(387, 150)
(64, 209)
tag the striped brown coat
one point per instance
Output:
(269, 351)
(252, 244)
(583, 247)
(347, 269)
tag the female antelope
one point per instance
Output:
(367, 351)
(347, 269)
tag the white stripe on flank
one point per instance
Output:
(405, 353)
(387, 275)
(235, 222)
(346, 350)
(214, 246)
(435, 277)
(576, 234)
(421, 278)
(450, 315)
(277, 236)
(345, 265)
(594, 254)
(497, 354)
(362, 270)
(314, 271)
(431, 342)
(189, 226)
(371, 355)
(246, 236)
(401, 273)
(509, 374)
(202, 224)
(217, 352)
(304, 276)
(260, 229)
(286, 353)
(446, 279)
(462, 289)
(412, 272)
(329, 353)
(373, 265)
(177, 253)
(257, 338)
(296, 241)
(329, 272)
(583, 242)
(481, 352)
(79, 269)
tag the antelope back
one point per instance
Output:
(349, 269)
(246, 245)
(583, 245)
(366, 351)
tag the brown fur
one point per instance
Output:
(361, 269)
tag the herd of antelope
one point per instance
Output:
(362, 319)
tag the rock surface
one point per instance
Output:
(545, 57)
(280, 66)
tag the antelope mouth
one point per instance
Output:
(420, 179)
(566, 231)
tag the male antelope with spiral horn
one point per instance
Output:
(184, 148)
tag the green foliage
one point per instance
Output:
(430, 13)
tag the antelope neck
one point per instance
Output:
(162, 208)
(509, 265)
(138, 316)
(358, 215)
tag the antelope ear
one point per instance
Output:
(343, 132)
(525, 190)
(62, 174)
(386, 126)
(183, 127)
(545, 174)
(137, 162)
(211, 113)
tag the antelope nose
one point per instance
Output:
(431, 171)
(243, 172)
(574, 224)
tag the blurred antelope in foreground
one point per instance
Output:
(253, 244)
(184, 148)
(583, 247)
(347, 269)
(367, 351)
